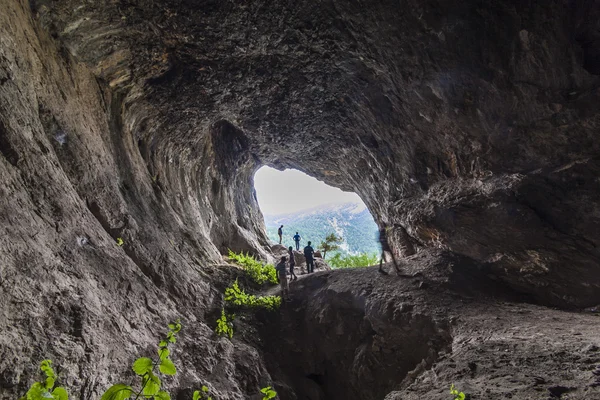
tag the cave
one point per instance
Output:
(130, 132)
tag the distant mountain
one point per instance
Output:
(352, 222)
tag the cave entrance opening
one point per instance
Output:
(303, 204)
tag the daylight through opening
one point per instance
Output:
(314, 210)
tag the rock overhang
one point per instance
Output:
(458, 124)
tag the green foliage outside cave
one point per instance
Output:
(352, 260)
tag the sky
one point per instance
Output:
(282, 192)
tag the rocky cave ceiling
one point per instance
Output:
(471, 127)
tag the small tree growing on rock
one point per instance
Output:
(330, 243)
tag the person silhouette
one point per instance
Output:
(310, 261)
(297, 240)
(293, 276)
(280, 233)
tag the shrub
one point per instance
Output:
(352, 261)
(46, 390)
(225, 325)
(268, 393)
(238, 297)
(457, 395)
(258, 272)
(145, 368)
(120, 242)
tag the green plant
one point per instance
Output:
(258, 272)
(238, 297)
(46, 390)
(268, 392)
(225, 325)
(330, 243)
(202, 395)
(120, 242)
(145, 368)
(457, 395)
(352, 261)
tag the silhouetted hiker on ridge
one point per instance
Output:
(310, 261)
(293, 276)
(283, 280)
(385, 247)
(280, 233)
(297, 240)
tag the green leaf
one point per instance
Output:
(46, 367)
(49, 383)
(268, 392)
(142, 366)
(60, 393)
(152, 385)
(205, 389)
(163, 343)
(118, 392)
(172, 327)
(162, 395)
(196, 395)
(172, 339)
(37, 392)
(167, 367)
(163, 353)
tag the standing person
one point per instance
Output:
(283, 280)
(280, 233)
(297, 240)
(310, 261)
(385, 247)
(293, 276)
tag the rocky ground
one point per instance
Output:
(358, 334)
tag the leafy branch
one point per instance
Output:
(145, 368)
(225, 325)
(45, 390)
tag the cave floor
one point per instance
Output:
(489, 346)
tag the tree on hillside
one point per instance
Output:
(330, 243)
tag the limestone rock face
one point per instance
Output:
(467, 127)
(470, 128)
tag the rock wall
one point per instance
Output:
(469, 127)
(74, 178)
